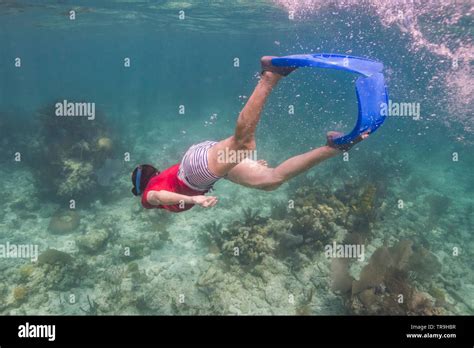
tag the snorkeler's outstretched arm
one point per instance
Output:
(164, 197)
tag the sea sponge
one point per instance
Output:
(341, 280)
(424, 263)
(373, 273)
(104, 144)
(64, 221)
(54, 257)
(19, 293)
(401, 254)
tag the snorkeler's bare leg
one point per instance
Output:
(244, 136)
(252, 174)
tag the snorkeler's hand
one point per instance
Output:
(205, 201)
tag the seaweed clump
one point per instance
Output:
(438, 205)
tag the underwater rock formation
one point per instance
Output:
(93, 241)
(53, 257)
(64, 221)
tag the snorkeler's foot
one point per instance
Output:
(266, 62)
(343, 147)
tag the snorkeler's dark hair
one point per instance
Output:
(144, 172)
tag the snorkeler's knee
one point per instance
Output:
(273, 183)
(246, 143)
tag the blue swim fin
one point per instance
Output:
(370, 87)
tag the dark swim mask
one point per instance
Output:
(137, 179)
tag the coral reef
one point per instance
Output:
(385, 285)
(211, 236)
(74, 148)
(32, 282)
(64, 221)
(244, 241)
(77, 178)
(315, 218)
(247, 245)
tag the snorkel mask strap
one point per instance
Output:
(137, 179)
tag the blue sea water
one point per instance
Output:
(414, 174)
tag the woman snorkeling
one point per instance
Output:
(183, 185)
